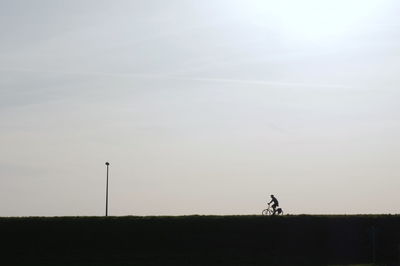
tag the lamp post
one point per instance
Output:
(107, 164)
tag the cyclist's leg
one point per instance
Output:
(274, 209)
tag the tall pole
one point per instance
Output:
(107, 164)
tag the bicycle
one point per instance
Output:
(270, 211)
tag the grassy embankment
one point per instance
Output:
(201, 240)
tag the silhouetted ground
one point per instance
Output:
(200, 240)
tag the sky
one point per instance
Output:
(201, 107)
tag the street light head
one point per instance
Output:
(107, 163)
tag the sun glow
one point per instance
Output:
(314, 19)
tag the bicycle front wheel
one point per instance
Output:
(267, 212)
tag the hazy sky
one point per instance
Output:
(201, 107)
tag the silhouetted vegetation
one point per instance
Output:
(201, 240)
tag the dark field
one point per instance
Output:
(201, 240)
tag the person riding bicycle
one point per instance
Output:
(275, 203)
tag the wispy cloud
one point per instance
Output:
(182, 78)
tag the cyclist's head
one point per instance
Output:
(272, 196)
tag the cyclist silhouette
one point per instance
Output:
(274, 202)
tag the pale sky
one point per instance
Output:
(201, 107)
